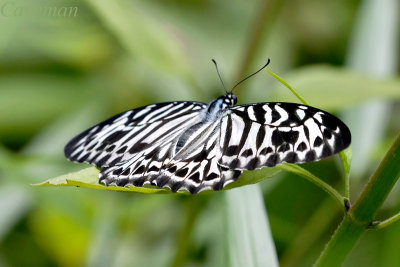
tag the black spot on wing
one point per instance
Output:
(101, 147)
(291, 157)
(290, 137)
(176, 186)
(126, 172)
(122, 150)
(318, 141)
(193, 189)
(326, 151)
(329, 121)
(115, 161)
(276, 138)
(275, 116)
(234, 163)
(117, 171)
(140, 170)
(310, 156)
(110, 148)
(281, 137)
(195, 177)
(327, 134)
(266, 150)
(139, 181)
(161, 180)
(122, 182)
(253, 164)
(284, 147)
(301, 147)
(153, 169)
(231, 151)
(182, 172)
(219, 185)
(272, 160)
(247, 153)
(211, 176)
(172, 169)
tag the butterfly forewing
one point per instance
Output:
(266, 134)
(126, 135)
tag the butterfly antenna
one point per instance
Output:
(219, 75)
(266, 64)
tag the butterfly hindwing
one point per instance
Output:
(193, 168)
(266, 134)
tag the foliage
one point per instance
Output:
(61, 74)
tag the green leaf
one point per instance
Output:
(89, 178)
(250, 242)
(254, 176)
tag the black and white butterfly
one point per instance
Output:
(193, 146)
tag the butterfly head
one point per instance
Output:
(221, 103)
(229, 99)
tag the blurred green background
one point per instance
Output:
(66, 65)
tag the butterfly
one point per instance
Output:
(192, 146)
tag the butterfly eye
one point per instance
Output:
(234, 99)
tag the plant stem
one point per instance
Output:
(360, 216)
(288, 86)
(315, 180)
(387, 222)
(345, 158)
(346, 186)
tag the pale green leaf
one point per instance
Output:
(89, 178)
(250, 241)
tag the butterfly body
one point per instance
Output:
(194, 147)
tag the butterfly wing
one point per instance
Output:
(194, 167)
(126, 136)
(266, 134)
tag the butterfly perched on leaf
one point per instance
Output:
(193, 146)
